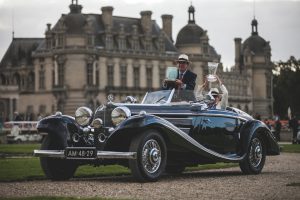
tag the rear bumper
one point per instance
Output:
(100, 154)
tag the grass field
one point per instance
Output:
(19, 148)
(290, 148)
(23, 169)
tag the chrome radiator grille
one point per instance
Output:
(105, 115)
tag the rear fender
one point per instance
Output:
(254, 127)
(56, 127)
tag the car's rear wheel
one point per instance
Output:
(255, 158)
(56, 168)
(151, 156)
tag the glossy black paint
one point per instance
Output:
(58, 127)
(192, 135)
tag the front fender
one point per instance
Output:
(137, 124)
(257, 127)
(56, 126)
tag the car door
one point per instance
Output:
(217, 132)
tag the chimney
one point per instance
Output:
(75, 8)
(48, 27)
(107, 16)
(146, 21)
(167, 25)
(238, 49)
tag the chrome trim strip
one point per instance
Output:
(200, 114)
(144, 97)
(49, 153)
(170, 97)
(196, 144)
(115, 154)
(100, 154)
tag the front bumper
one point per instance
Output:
(100, 154)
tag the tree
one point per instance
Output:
(286, 87)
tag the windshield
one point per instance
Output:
(168, 96)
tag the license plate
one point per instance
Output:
(80, 152)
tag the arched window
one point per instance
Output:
(61, 74)
(123, 74)
(89, 74)
(149, 77)
(42, 78)
(110, 75)
(31, 81)
(17, 80)
(136, 77)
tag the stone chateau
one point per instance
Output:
(85, 57)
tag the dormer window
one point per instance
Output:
(109, 41)
(148, 44)
(135, 44)
(122, 43)
(60, 40)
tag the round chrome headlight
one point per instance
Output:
(83, 116)
(119, 114)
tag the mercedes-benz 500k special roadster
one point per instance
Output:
(166, 132)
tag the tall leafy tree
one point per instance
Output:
(286, 87)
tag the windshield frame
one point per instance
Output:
(166, 102)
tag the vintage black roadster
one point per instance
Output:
(166, 132)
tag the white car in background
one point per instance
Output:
(23, 131)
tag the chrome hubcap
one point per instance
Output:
(255, 155)
(151, 156)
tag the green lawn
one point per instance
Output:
(18, 169)
(19, 148)
(290, 148)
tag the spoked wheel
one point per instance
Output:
(256, 156)
(151, 156)
(56, 168)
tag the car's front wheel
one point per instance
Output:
(255, 158)
(56, 168)
(151, 156)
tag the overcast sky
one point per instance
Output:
(278, 20)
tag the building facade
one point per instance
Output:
(85, 57)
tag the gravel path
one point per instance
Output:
(273, 183)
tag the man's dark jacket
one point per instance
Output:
(189, 78)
